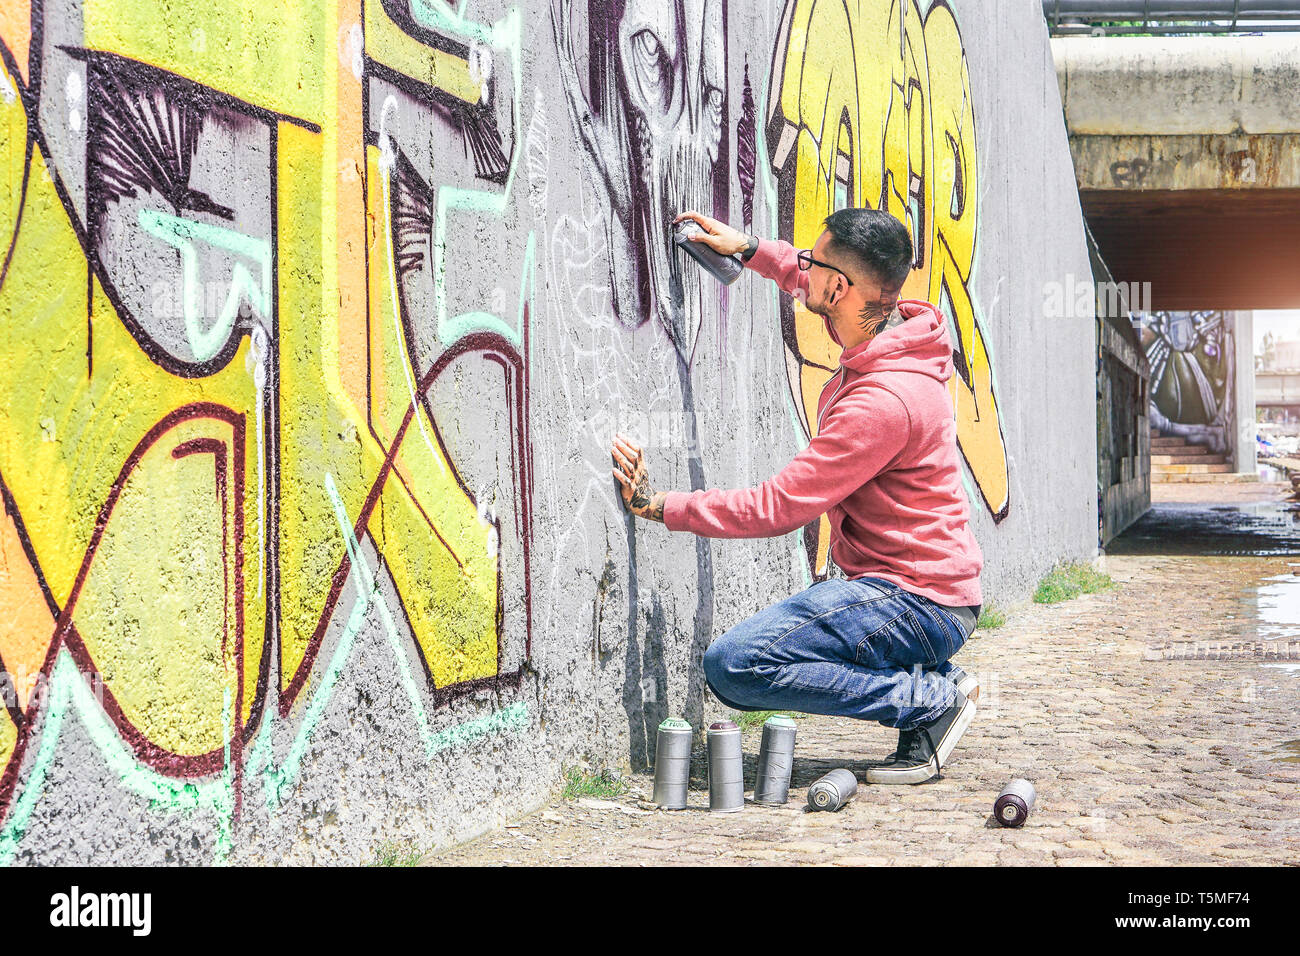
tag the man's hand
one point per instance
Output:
(638, 497)
(716, 235)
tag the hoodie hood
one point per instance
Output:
(920, 344)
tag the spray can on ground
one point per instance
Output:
(726, 269)
(775, 761)
(833, 790)
(1014, 803)
(672, 763)
(726, 768)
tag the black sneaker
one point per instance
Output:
(923, 750)
(968, 684)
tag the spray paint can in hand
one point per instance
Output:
(672, 763)
(833, 790)
(726, 768)
(775, 761)
(1014, 803)
(726, 269)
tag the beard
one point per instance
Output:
(817, 305)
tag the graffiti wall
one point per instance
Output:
(1193, 359)
(317, 320)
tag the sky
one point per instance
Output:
(1283, 325)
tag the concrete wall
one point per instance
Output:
(1244, 447)
(318, 319)
(1171, 86)
(1123, 396)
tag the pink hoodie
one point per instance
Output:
(883, 464)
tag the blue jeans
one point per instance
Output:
(863, 648)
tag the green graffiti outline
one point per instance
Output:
(67, 688)
(505, 34)
(371, 586)
(368, 589)
(181, 233)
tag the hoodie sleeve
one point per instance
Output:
(861, 434)
(779, 261)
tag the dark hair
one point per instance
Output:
(874, 240)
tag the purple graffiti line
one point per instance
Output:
(412, 223)
(652, 116)
(67, 636)
(501, 351)
(747, 151)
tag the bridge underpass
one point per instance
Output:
(1187, 157)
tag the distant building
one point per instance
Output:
(1286, 354)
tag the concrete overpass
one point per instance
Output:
(1187, 156)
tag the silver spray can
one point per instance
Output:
(672, 763)
(1015, 803)
(726, 269)
(726, 768)
(833, 790)
(775, 761)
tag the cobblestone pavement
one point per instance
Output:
(1136, 760)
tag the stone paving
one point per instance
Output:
(1135, 760)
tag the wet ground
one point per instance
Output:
(1249, 520)
(1259, 528)
(1274, 603)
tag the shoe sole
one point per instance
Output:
(930, 770)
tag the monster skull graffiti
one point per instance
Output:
(652, 110)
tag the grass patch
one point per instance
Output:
(751, 719)
(397, 854)
(990, 617)
(603, 784)
(1066, 581)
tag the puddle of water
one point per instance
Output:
(1275, 605)
(1290, 752)
(1264, 529)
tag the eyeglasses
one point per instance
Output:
(806, 262)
